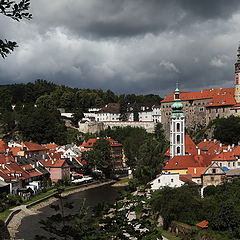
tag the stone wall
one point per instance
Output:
(93, 127)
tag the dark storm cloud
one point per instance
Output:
(140, 46)
(118, 18)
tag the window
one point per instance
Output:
(229, 164)
(178, 138)
(178, 150)
(213, 170)
(212, 179)
(171, 179)
(159, 181)
(178, 127)
(233, 164)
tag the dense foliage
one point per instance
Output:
(100, 157)
(16, 11)
(227, 130)
(220, 206)
(29, 111)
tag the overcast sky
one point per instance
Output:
(128, 46)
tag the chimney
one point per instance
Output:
(233, 145)
(205, 140)
(199, 151)
(229, 147)
(195, 171)
(215, 140)
(220, 144)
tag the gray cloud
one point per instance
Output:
(126, 45)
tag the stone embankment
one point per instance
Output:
(14, 220)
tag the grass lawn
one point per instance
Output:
(124, 180)
(4, 215)
(40, 196)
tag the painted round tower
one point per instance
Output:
(177, 127)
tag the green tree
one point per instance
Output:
(226, 130)
(16, 11)
(123, 108)
(150, 161)
(100, 156)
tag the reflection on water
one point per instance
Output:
(30, 225)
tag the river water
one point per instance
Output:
(30, 226)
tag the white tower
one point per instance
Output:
(177, 127)
(237, 77)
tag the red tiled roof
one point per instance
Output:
(91, 141)
(184, 162)
(54, 164)
(224, 156)
(31, 146)
(219, 97)
(15, 150)
(236, 151)
(3, 146)
(51, 146)
(203, 224)
(186, 178)
(196, 172)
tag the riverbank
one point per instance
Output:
(35, 207)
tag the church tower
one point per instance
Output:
(177, 127)
(237, 77)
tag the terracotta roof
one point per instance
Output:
(186, 178)
(185, 162)
(224, 156)
(236, 151)
(219, 97)
(51, 146)
(91, 141)
(3, 146)
(53, 164)
(15, 150)
(196, 172)
(31, 146)
(203, 224)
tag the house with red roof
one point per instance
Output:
(58, 168)
(116, 150)
(213, 175)
(31, 149)
(226, 159)
(172, 180)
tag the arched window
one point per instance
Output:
(178, 150)
(178, 138)
(178, 127)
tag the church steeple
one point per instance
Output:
(177, 127)
(237, 77)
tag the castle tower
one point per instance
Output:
(237, 77)
(177, 127)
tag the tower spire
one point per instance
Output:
(177, 126)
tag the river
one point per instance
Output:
(30, 225)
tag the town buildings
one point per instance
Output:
(203, 106)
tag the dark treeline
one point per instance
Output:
(220, 207)
(49, 95)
